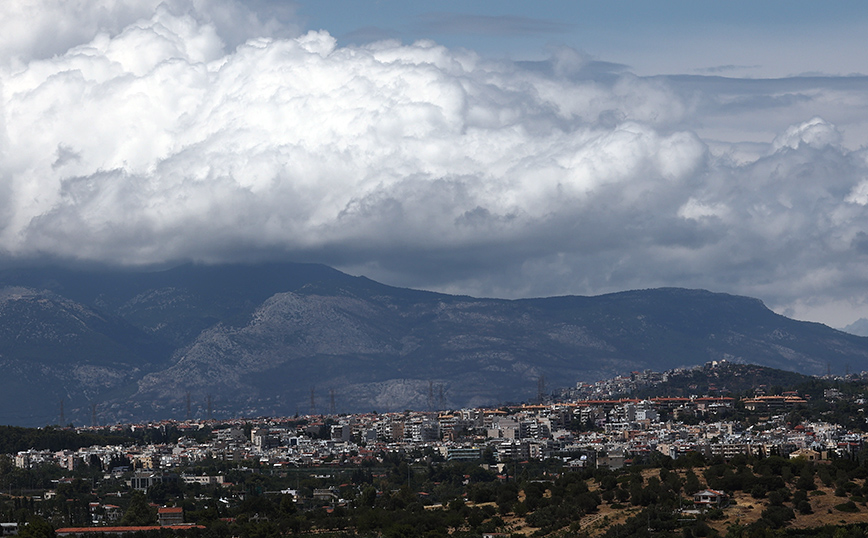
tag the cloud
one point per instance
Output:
(40, 29)
(367, 34)
(160, 141)
(725, 68)
(495, 25)
(816, 133)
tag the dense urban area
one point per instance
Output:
(721, 450)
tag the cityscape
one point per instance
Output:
(327, 462)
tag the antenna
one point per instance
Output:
(430, 395)
(332, 401)
(62, 415)
(312, 401)
(442, 399)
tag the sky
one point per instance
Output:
(491, 148)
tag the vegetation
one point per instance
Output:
(15, 439)
(413, 495)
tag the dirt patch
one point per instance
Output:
(606, 516)
(746, 510)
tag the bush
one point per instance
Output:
(622, 495)
(778, 516)
(715, 514)
(848, 506)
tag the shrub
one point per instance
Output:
(778, 516)
(848, 506)
(758, 491)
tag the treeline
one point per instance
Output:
(14, 439)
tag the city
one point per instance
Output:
(328, 462)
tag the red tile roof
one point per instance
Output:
(113, 530)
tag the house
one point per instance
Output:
(807, 453)
(709, 498)
(170, 515)
(326, 494)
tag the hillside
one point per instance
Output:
(284, 338)
(732, 379)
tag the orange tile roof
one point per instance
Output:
(104, 530)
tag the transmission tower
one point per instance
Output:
(62, 415)
(332, 406)
(93, 415)
(312, 401)
(210, 408)
(187, 398)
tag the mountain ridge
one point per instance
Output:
(282, 338)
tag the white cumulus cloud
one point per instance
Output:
(161, 132)
(816, 133)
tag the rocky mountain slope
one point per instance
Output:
(286, 338)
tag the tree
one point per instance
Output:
(139, 512)
(37, 528)
(691, 482)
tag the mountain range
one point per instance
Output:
(104, 345)
(858, 327)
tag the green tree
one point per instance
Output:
(691, 482)
(37, 528)
(139, 512)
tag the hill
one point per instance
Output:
(733, 379)
(276, 339)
